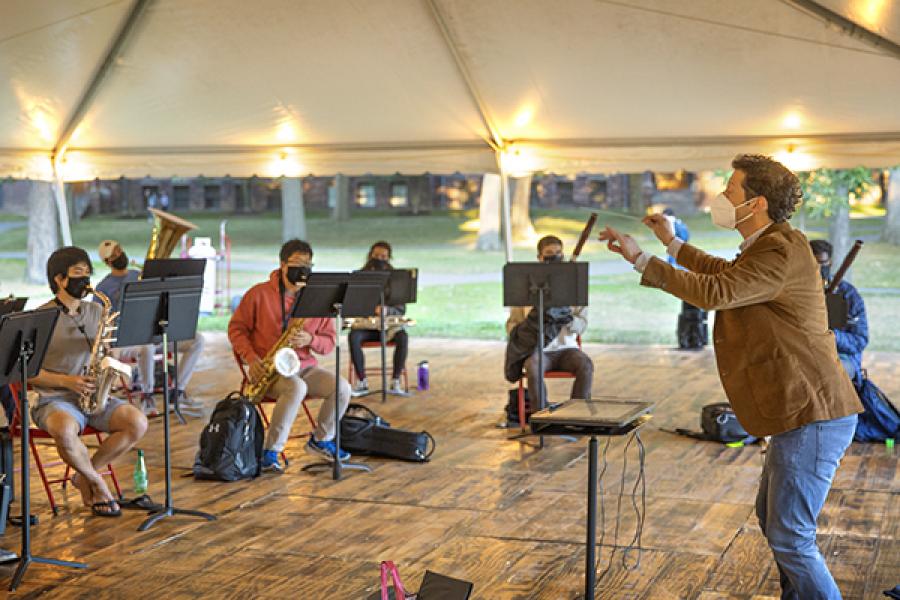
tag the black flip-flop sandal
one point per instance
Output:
(97, 506)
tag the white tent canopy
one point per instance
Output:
(291, 87)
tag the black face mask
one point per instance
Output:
(825, 270)
(297, 275)
(120, 262)
(553, 258)
(77, 286)
(376, 264)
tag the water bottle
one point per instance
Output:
(140, 475)
(423, 376)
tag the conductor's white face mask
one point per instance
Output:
(724, 213)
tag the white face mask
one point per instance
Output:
(724, 213)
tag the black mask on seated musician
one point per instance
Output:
(551, 250)
(120, 262)
(379, 257)
(295, 270)
(298, 274)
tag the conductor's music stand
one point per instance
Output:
(161, 311)
(24, 338)
(542, 286)
(338, 295)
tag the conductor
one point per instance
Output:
(775, 355)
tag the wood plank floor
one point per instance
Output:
(499, 513)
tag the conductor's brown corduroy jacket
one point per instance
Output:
(776, 357)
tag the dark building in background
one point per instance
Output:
(405, 194)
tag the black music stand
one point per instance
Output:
(160, 311)
(23, 343)
(544, 285)
(593, 418)
(168, 268)
(338, 295)
(399, 288)
(12, 305)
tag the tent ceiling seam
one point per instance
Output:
(890, 136)
(496, 140)
(312, 148)
(90, 92)
(736, 27)
(849, 28)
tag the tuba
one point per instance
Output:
(101, 366)
(167, 231)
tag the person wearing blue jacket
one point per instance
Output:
(852, 339)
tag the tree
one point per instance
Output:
(827, 194)
(520, 201)
(43, 230)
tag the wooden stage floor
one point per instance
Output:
(496, 512)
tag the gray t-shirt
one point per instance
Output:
(69, 350)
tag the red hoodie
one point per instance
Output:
(256, 324)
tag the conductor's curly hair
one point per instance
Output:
(767, 177)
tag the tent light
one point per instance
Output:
(792, 120)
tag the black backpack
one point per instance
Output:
(231, 445)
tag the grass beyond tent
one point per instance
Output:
(460, 291)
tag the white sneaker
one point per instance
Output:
(360, 389)
(397, 388)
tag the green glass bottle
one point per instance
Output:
(140, 475)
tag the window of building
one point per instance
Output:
(212, 197)
(365, 195)
(399, 194)
(181, 197)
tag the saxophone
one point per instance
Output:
(280, 360)
(101, 366)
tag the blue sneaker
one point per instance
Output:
(270, 462)
(325, 449)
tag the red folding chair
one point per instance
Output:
(36, 433)
(270, 400)
(351, 372)
(547, 375)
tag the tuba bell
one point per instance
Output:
(167, 231)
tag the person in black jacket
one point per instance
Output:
(368, 330)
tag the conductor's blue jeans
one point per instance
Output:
(798, 471)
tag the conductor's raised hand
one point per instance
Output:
(661, 227)
(620, 243)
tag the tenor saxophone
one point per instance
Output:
(280, 360)
(101, 366)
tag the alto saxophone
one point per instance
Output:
(101, 366)
(280, 360)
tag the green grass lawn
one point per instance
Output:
(620, 310)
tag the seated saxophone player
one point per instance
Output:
(113, 285)
(561, 352)
(369, 330)
(260, 320)
(62, 384)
